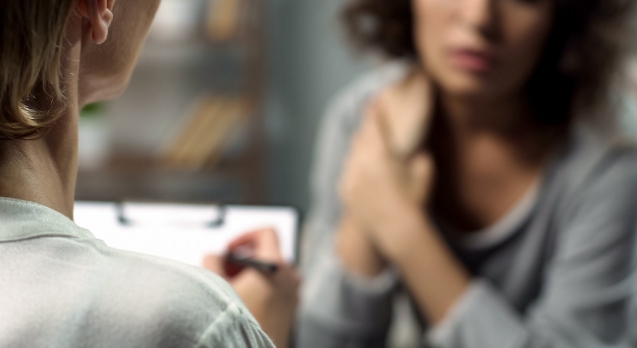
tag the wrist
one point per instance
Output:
(356, 252)
(431, 272)
(278, 329)
(411, 231)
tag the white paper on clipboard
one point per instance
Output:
(181, 232)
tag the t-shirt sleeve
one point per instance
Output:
(201, 310)
(234, 329)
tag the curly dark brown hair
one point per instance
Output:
(583, 55)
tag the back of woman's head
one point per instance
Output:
(31, 44)
(575, 73)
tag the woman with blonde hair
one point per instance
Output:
(479, 172)
(59, 285)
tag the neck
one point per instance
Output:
(506, 117)
(44, 170)
(505, 124)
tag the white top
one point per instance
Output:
(62, 287)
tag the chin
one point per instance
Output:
(117, 88)
(467, 86)
(104, 89)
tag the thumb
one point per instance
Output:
(214, 263)
(421, 174)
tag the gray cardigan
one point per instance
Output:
(561, 278)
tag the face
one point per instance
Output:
(106, 69)
(481, 48)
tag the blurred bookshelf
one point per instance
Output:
(629, 116)
(632, 76)
(190, 127)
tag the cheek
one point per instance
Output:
(434, 19)
(109, 66)
(525, 32)
(522, 27)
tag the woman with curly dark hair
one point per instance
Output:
(480, 172)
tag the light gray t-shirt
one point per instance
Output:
(559, 276)
(62, 287)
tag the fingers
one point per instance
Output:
(262, 245)
(214, 264)
(376, 128)
(288, 282)
(421, 173)
(381, 128)
(374, 134)
(406, 108)
(265, 244)
(421, 167)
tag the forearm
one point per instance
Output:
(433, 275)
(341, 307)
(356, 252)
(280, 336)
(277, 324)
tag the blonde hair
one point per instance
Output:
(32, 35)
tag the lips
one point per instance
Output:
(473, 60)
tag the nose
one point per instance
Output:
(481, 16)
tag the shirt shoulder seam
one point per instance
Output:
(233, 311)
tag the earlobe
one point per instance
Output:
(99, 36)
(99, 14)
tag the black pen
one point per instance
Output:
(246, 261)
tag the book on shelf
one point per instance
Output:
(632, 76)
(210, 128)
(223, 19)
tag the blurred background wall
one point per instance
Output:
(309, 64)
(305, 62)
(225, 105)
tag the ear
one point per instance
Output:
(99, 14)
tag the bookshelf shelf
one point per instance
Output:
(143, 179)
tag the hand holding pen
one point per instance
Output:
(268, 286)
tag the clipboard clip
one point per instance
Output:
(221, 219)
(218, 222)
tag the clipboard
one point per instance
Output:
(184, 232)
